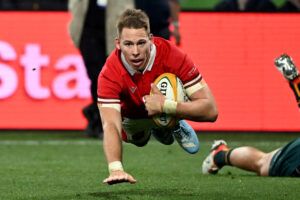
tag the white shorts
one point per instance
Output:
(137, 126)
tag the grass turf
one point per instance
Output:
(210, 4)
(70, 166)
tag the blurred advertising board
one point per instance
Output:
(43, 83)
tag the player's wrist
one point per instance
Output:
(170, 107)
(115, 166)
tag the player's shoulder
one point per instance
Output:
(113, 58)
(162, 43)
(171, 56)
(166, 47)
(113, 64)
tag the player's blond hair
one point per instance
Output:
(133, 18)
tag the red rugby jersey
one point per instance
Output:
(117, 86)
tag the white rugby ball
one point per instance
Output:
(171, 87)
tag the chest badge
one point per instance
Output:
(133, 89)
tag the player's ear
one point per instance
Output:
(117, 43)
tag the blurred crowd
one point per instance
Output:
(257, 6)
(38, 5)
(222, 5)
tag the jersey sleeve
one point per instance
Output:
(184, 68)
(109, 89)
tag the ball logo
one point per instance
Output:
(163, 118)
(171, 87)
(163, 88)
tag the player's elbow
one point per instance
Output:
(212, 113)
(208, 114)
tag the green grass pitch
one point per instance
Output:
(210, 4)
(43, 166)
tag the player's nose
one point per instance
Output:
(135, 50)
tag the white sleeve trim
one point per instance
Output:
(110, 105)
(192, 89)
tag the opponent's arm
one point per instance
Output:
(112, 144)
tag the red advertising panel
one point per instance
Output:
(43, 80)
(235, 53)
(43, 83)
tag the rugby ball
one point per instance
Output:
(171, 87)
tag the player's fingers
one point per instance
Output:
(116, 182)
(154, 89)
(126, 178)
(105, 180)
(111, 181)
(144, 98)
(119, 179)
(131, 179)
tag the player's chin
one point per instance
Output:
(137, 65)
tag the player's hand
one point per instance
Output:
(154, 102)
(119, 177)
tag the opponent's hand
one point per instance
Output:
(154, 102)
(119, 177)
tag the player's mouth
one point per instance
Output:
(137, 62)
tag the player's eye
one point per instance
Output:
(141, 43)
(128, 44)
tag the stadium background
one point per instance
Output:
(42, 86)
(45, 155)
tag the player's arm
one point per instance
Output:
(112, 144)
(201, 107)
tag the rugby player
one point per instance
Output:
(281, 162)
(124, 85)
(284, 161)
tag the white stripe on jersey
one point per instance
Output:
(110, 105)
(192, 82)
(194, 88)
(100, 100)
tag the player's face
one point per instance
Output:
(135, 44)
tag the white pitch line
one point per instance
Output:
(48, 142)
(59, 142)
